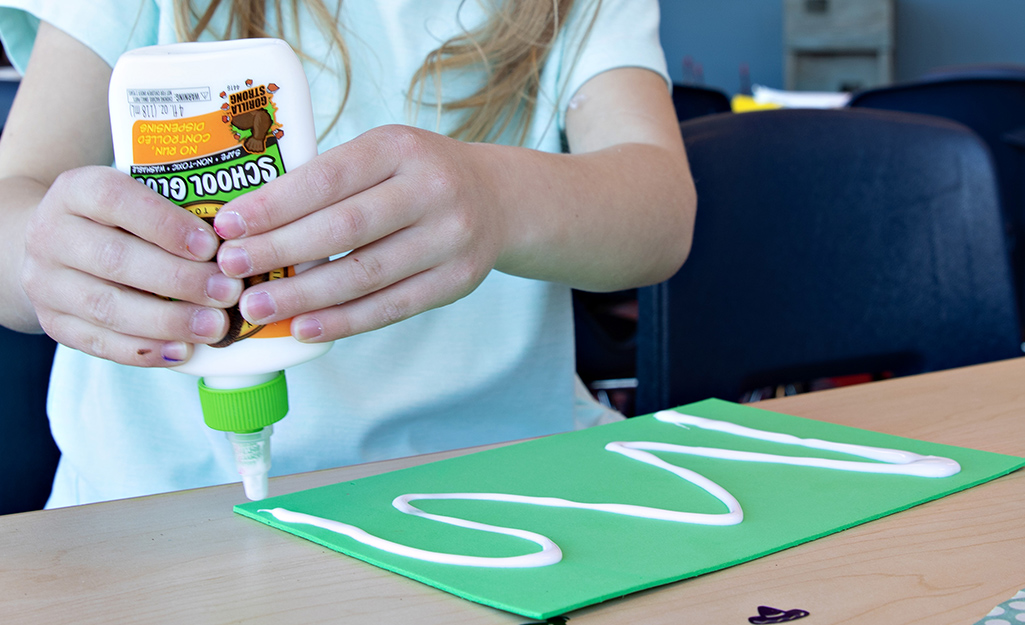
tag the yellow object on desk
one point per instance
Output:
(746, 104)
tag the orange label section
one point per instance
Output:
(276, 330)
(163, 141)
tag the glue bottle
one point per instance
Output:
(202, 123)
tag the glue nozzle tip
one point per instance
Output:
(252, 458)
(256, 486)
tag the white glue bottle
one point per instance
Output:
(202, 123)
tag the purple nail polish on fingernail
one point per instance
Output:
(175, 351)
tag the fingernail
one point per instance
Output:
(175, 351)
(223, 289)
(229, 225)
(307, 329)
(234, 261)
(207, 323)
(201, 244)
(258, 306)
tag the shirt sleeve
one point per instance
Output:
(622, 33)
(107, 27)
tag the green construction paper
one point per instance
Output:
(605, 555)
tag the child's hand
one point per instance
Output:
(101, 249)
(413, 206)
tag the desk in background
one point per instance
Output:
(187, 558)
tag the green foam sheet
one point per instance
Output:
(606, 555)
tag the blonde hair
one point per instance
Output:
(511, 47)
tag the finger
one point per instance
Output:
(339, 173)
(363, 271)
(127, 350)
(119, 257)
(395, 303)
(115, 199)
(121, 310)
(352, 223)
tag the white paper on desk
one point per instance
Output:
(800, 99)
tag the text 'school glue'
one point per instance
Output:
(200, 124)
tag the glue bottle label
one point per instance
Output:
(202, 161)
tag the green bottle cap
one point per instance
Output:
(247, 409)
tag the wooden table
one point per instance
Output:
(187, 558)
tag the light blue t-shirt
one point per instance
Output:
(496, 365)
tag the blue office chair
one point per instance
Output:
(989, 99)
(606, 342)
(698, 100)
(1005, 71)
(8, 88)
(28, 455)
(828, 243)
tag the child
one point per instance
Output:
(441, 170)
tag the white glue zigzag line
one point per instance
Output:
(549, 554)
(894, 462)
(898, 462)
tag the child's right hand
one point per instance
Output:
(102, 254)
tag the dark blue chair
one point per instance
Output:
(7, 90)
(698, 100)
(28, 455)
(828, 243)
(989, 99)
(1012, 71)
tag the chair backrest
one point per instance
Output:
(828, 243)
(696, 101)
(8, 89)
(28, 455)
(1014, 71)
(989, 99)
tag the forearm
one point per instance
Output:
(618, 211)
(42, 138)
(611, 219)
(21, 196)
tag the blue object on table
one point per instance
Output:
(828, 243)
(989, 99)
(1007, 613)
(28, 455)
